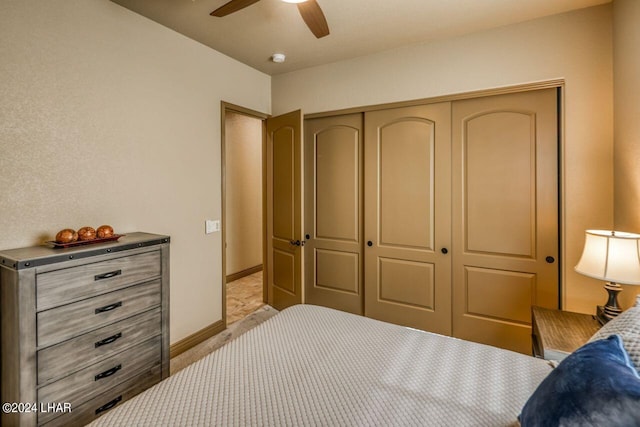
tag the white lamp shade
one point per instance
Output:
(613, 256)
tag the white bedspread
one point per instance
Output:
(316, 366)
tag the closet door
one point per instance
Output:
(408, 216)
(333, 212)
(505, 215)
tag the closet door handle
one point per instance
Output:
(444, 251)
(369, 243)
(550, 259)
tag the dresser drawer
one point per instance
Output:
(71, 320)
(58, 287)
(96, 379)
(88, 411)
(54, 362)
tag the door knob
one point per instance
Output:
(369, 243)
(550, 259)
(295, 242)
(444, 251)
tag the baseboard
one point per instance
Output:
(244, 273)
(195, 339)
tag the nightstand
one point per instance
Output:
(556, 333)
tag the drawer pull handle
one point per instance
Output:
(108, 373)
(108, 307)
(109, 405)
(107, 275)
(108, 340)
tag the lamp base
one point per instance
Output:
(611, 309)
(601, 316)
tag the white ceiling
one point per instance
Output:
(358, 27)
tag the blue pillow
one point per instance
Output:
(596, 385)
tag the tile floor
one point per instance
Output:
(244, 296)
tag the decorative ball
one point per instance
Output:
(104, 231)
(87, 233)
(66, 236)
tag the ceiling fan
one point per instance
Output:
(309, 10)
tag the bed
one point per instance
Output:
(311, 365)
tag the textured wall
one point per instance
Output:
(108, 117)
(626, 60)
(576, 46)
(626, 66)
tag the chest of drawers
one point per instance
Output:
(82, 329)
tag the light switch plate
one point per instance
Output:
(211, 226)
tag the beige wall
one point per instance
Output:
(575, 46)
(243, 174)
(626, 63)
(626, 60)
(108, 117)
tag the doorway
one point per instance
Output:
(242, 211)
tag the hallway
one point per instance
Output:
(244, 296)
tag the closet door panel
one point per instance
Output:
(515, 287)
(405, 163)
(407, 220)
(505, 215)
(333, 212)
(500, 212)
(337, 187)
(408, 283)
(337, 271)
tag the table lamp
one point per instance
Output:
(613, 256)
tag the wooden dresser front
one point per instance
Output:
(82, 329)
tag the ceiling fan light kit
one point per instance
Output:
(309, 10)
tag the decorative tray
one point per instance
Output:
(112, 238)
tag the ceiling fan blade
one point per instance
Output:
(232, 6)
(314, 18)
